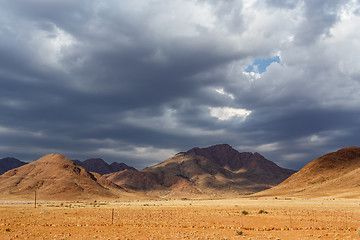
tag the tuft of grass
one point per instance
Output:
(239, 232)
(7, 230)
(244, 212)
(263, 211)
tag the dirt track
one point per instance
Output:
(188, 219)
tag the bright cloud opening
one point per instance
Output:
(268, 147)
(226, 113)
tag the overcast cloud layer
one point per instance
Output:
(137, 81)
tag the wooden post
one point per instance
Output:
(35, 198)
(112, 217)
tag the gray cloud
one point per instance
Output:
(320, 16)
(137, 81)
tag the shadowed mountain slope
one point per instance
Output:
(335, 174)
(55, 177)
(9, 163)
(215, 171)
(98, 165)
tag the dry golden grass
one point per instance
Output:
(183, 219)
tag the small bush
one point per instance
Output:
(263, 211)
(244, 212)
(239, 232)
(7, 229)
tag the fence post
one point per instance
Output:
(35, 199)
(112, 217)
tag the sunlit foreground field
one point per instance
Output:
(183, 219)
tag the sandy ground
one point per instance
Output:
(183, 219)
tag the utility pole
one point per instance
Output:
(35, 198)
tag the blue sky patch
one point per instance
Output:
(259, 65)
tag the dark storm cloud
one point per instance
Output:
(138, 81)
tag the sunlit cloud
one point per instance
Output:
(227, 113)
(222, 92)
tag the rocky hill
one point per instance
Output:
(218, 170)
(55, 177)
(335, 174)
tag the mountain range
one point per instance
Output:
(216, 171)
(98, 165)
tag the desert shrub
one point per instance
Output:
(262, 211)
(239, 232)
(244, 212)
(7, 229)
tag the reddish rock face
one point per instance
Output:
(216, 170)
(225, 156)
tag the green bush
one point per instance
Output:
(244, 212)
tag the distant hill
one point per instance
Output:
(335, 174)
(9, 163)
(215, 171)
(98, 165)
(56, 178)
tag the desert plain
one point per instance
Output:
(237, 218)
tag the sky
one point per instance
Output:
(137, 81)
